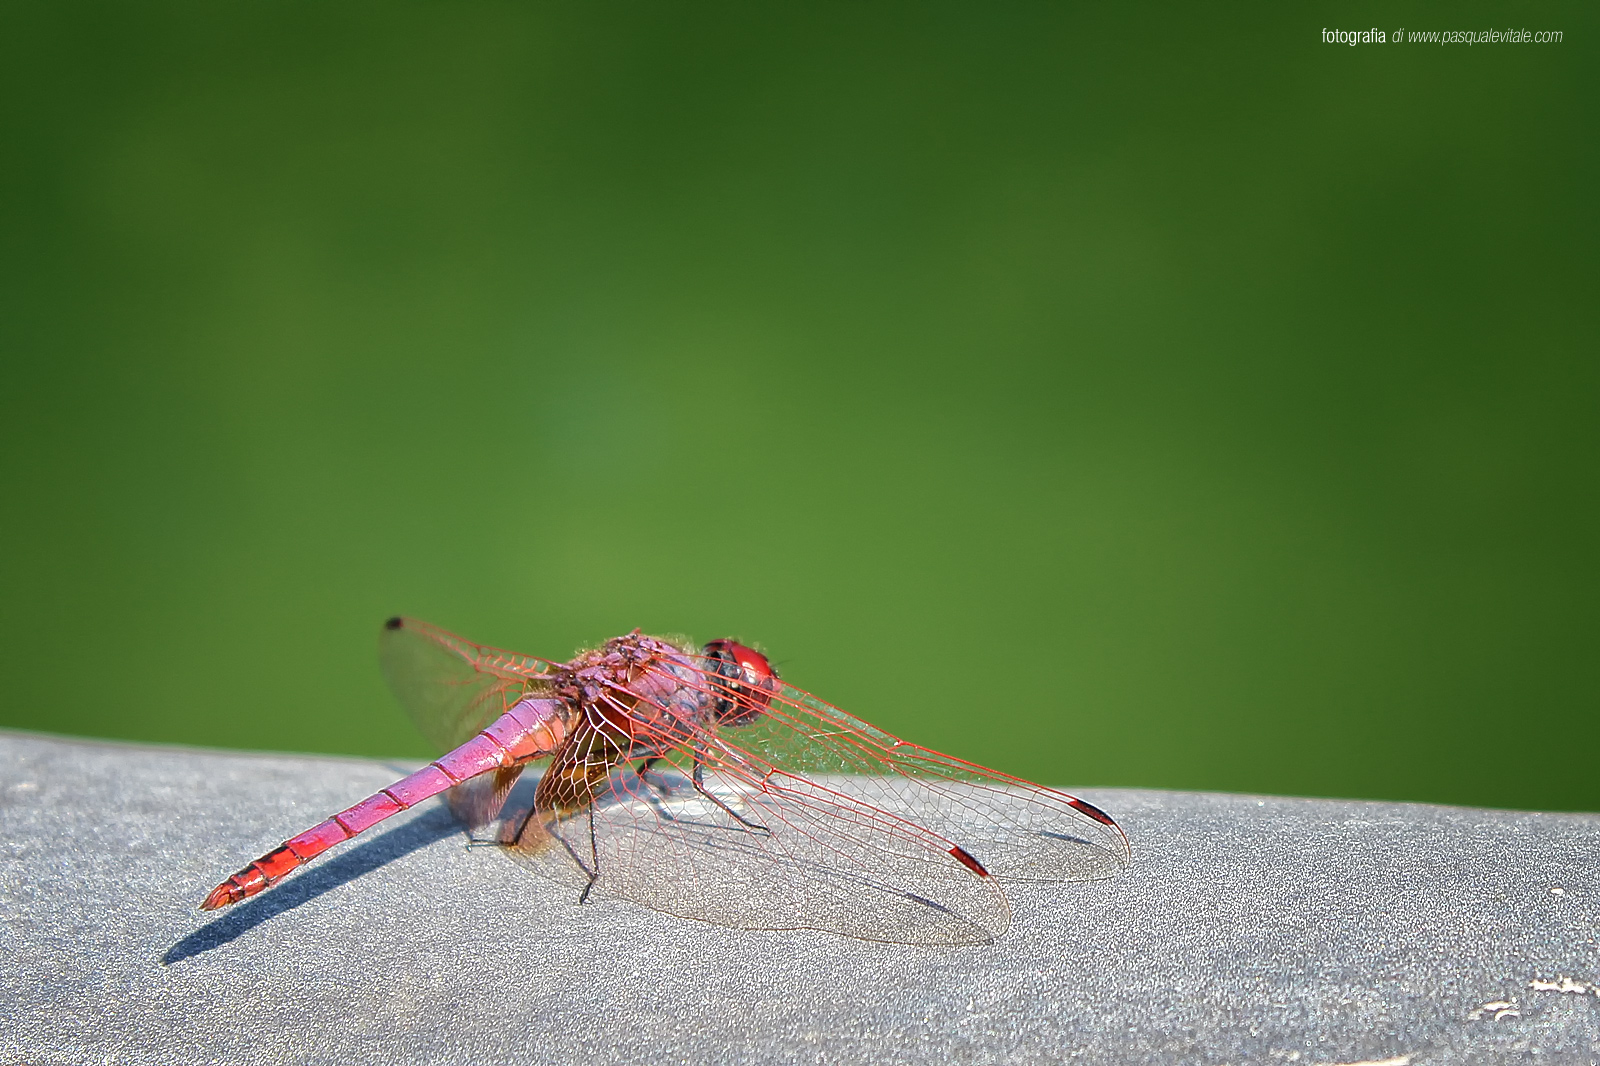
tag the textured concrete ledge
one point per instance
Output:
(1248, 929)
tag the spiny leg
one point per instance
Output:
(592, 872)
(700, 787)
(594, 855)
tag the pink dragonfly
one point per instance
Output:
(700, 785)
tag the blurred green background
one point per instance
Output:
(1113, 396)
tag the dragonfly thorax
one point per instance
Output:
(636, 683)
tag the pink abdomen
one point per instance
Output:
(531, 729)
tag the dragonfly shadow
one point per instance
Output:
(416, 834)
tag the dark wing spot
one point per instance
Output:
(1085, 807)
(394, 623)
(968, 861)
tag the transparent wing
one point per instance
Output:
(451, 687)
(798, 854)
(806, 818)
(1018, 830)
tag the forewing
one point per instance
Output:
(713, 831)
(810, 818)
(1017, 829)
(451, 687)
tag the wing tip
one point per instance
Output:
(1089, 810)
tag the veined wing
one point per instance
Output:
(1017, 829)
(451, 687)
(809, 818)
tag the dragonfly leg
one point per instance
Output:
(700, 787)
(644, 768)
(591, 869)
(594, 855)
(655, 791)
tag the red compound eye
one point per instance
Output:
(752, 663)
(746, 680)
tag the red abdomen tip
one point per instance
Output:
(220, 897)
(254, 878)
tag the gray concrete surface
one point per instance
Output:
(1247, 930)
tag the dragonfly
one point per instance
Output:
(697, 783)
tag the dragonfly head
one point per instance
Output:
(744, 681)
